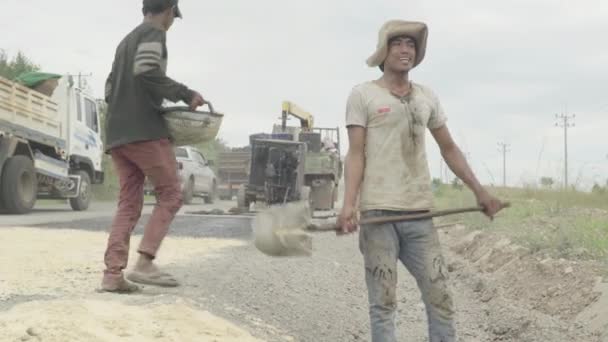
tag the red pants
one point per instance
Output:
(133, 163)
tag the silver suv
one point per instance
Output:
(195, 174)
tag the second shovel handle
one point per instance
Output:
(407, 217)
(417, 216)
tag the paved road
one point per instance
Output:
(322, 298)
(60, 211)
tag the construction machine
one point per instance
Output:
(293, 163)
(322, 164)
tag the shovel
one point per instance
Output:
(283, 230)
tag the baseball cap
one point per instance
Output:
(161, 5)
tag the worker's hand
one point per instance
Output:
(490, 204)
(197, 101)
(347, 220)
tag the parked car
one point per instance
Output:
(196, 177)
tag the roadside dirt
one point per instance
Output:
(533, 293)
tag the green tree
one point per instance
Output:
(212, 149)
(546, 182)
(457, 183)
(598, 189)
(437, 182)
(11, 68)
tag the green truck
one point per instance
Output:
(322, 166)
(323, 163)
(290, 164)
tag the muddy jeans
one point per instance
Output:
(133, 162)
(416, 244)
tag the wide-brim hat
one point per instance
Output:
(395, 28)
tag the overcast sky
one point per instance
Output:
(502, 69)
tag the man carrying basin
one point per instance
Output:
(137, 138)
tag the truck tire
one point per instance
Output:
(188, 193)
(2, 206)
(81, 203)
(211, 197)
(19, 186)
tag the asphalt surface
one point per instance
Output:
(314, 299)
(322, 298)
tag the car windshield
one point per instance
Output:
(181, 153)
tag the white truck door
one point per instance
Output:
(85, 137)
(93, 144)
(77, 139)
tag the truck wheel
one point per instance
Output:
(81, 203)
(2, 206)
(19, 185)
(188, 194)
(210, 198)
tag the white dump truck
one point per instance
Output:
(50, 146)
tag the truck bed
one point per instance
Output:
(232, 171)
(29, 114)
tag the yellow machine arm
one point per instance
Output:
(306, 119)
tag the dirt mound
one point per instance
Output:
(536, 290)
(556, 287)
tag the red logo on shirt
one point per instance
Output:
(384, 110)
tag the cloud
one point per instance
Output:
(501, 69)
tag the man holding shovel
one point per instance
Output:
(137, 139)
(386, 172)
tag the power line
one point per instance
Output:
(504, 148)
(565, 121)
(81, 79)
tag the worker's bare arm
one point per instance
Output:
(453, 156)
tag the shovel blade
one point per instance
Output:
(280, 230)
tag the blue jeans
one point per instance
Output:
(416, 244)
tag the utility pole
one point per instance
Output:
(565, 121)
(81, 79)
(504, 148)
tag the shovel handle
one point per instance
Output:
(399, 218)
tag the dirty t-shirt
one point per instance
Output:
(396, 175)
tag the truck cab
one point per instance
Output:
(85, 147)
